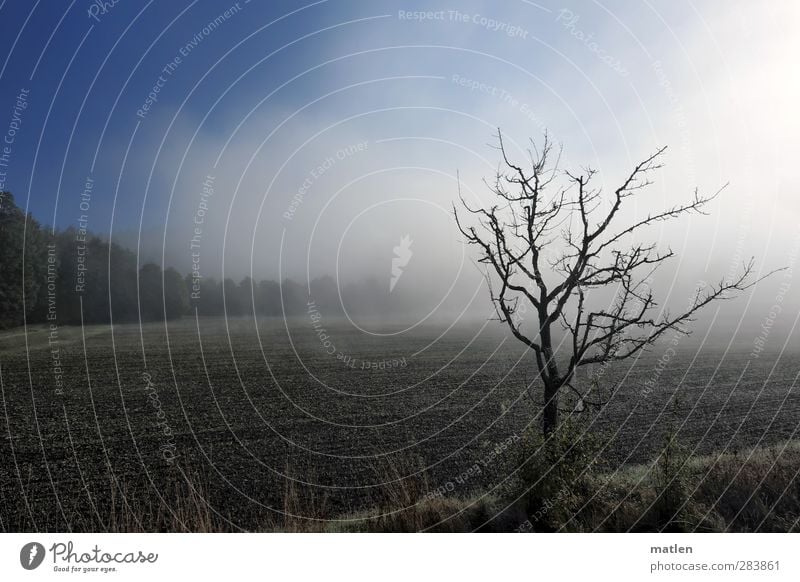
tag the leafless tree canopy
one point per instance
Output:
(538, 208)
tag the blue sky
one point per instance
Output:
(90, 76)
(262, 99)
(92, 73)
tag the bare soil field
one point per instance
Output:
(331, 415)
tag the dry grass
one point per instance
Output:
(182, 506)
(756, 490)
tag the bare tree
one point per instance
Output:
(540, 210)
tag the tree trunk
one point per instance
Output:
(551, 378)
(550, 415)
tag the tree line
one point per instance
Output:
(68, 276)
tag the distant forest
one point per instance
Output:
(49, 277)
